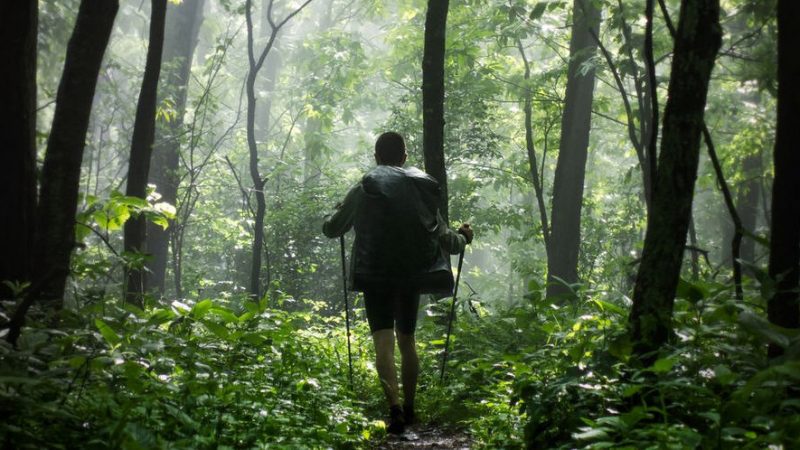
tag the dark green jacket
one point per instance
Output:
(401, 238)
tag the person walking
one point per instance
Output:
(401, 250)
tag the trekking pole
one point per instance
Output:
(346, 311)
(452, 313)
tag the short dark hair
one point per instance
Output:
(390, 148)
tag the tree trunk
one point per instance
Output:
(747, 203)
(565, 229)
(433, 96)
(533, 165)
(142, 148)
(784, 250)
(58, 195)
(696, 45)
(182, 27)
(18, 31)
(255, 62)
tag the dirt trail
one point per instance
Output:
(427, 437)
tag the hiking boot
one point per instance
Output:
(408, 414)
(396, 423)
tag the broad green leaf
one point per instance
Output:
(201, 308)
(691, 291)
(590, 434)
(607, 306)
(538, 10)
(218, 330)
(108, 334)
(224, 314)
(663, 365)
(765, 331)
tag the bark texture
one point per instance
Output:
(697, 42)
(433, 96)
(784, 257)
(18, 23)
(565, 226)
(182, 27)
(58, 195)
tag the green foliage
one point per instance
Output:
(564, 376)
(213, 370)
(221, 374)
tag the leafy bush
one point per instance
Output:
(213, 374)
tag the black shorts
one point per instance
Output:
(389, 308)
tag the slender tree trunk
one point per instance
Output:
(142, 148)
(433, 96)
(255, 63)
(784, 256)
(738, 233)
(565, 228)
(538, 185)
(182, 27)
(696, 45)
(18, 31)
(747, 202)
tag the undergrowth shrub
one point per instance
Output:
(213, 374)
(563, 375)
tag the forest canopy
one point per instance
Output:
(630, 169)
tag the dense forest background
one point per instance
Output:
(630, 169)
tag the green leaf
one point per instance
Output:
(663, 365)
(218, 330)
(691, 291)
(160, 316)
(224, 314)
(607, 306)
(201, 308)
(724, 375)
(538, 10)
(590, 434)
(765, 331)
(108, 334)
(632, 390)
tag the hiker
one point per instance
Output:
(400, 251)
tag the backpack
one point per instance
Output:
(396, 231)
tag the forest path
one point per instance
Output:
(425, 436)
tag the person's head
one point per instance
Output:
(390, 149)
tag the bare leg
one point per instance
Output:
(384, 363)
(410, 366)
